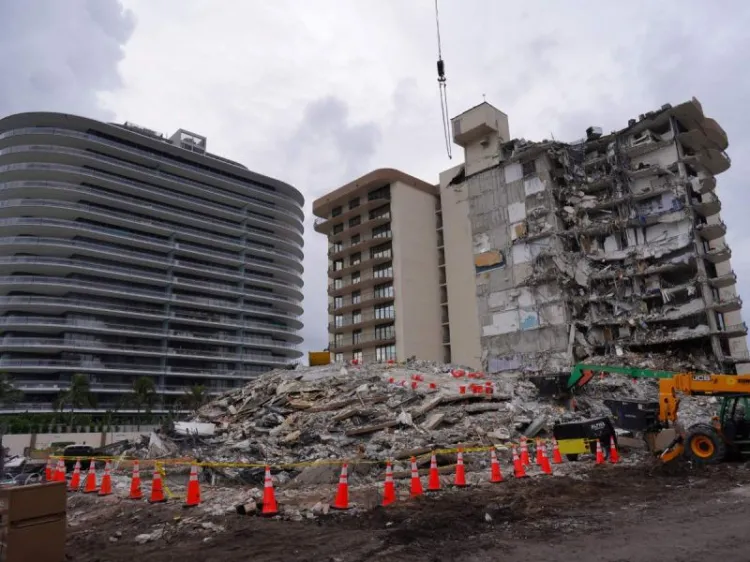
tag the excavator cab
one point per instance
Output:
(734, 421)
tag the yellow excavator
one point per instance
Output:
(728, 434)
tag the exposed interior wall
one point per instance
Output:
(415, 269)
(459, 270)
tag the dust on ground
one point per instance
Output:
(613, 513)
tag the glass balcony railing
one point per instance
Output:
(205, 188)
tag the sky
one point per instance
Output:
(319, 92)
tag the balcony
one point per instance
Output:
(734, 330)
(704, 184)
(709, 205)
(723, 281)
(325, 225)
(736, 357)
(719, 254)
(725, 305)
(343, 249)
(366, 298)
(711, 231)
(364, 226)
(366, 341)
(367, 318)
(150, 156)
(366, 280)
(710, 161)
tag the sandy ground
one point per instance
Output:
(612, 514)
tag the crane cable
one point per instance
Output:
(442, 86)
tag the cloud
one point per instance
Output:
(58, 56)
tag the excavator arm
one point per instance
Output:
(582, 373)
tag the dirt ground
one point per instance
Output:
(611, 514)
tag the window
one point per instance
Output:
(357, 356)
(338, 265)
(356, 277)
(336, 247)
(354, 203)
(385, 332)
(338, 302)
(356, 316)
(381, 251)
(383, 231)
(355, 259)
(338, 340)
(356, 337)
(385, 353)
(356, 297)
(529, 168)
(384, 290)
(338, 320)
(338, 358)
(338, 228)
(338, 283)
(380, 193)
(336, 211)
(355, 221)
(383, 211)
(381, 271)
(385, 312)
(356, 239)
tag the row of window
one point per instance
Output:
(383, 231)
(381, 291)
(383, 354)
(382, 332)
(383, 271)
(381, 312)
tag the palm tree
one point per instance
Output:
(77, 396)
(144, 396)
(195, 397)
(8, 394)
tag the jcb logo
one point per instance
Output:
(702, 378)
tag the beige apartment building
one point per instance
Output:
(387, 287)
(532, 256)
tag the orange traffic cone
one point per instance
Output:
(433, 483)
(538, 451)
(270, 507)
(556, 456)
(544, 464)
(135, 483)
(460, 479)
(519, 470)
(495, 474)
(48, 470)
(157, 487)
(341, 501)
(60, 471)
(524, 452)
(599, 452)
(75, 480)
(416, 483)
(614, 456)
(106, 488)
(193, 496)
(389, 492)
(89, 485)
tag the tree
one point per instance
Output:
(8, 395)
(144, 396)
(195, 397)
(77, 396)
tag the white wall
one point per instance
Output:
(17, 443)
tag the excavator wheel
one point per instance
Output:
(704, 445)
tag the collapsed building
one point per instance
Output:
(605, 248)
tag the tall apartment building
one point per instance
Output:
(610, 244)
(128, 254)
(386, 281)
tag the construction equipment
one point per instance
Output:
(726, 436)
(580, 437)
(581, 373)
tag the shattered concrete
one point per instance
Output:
(612, 243)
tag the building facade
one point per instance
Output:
(387, 285)
(593, 249)
(127, 254)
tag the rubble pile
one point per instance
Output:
(288, 418)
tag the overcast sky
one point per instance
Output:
(318, 92)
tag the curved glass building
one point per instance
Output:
(125, 254)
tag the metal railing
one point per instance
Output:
(207, 189)
(143, 153)
(353, 320)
